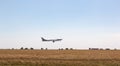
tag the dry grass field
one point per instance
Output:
(59, 58)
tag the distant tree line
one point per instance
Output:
(26, 48)
(22, 48)
(44, 48)
(101, 49)
(66, 49)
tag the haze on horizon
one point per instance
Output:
(80, 23)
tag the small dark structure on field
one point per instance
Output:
(107, 49)
(26, 48)
(21, 48)
(42, 48)
(31, 48)
(93, 48)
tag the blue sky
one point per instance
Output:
(81, 23)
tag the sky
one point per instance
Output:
(82, 24)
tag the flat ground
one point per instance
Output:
(59, 57)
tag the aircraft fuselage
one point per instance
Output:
(53, 40)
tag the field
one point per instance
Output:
(59, 57)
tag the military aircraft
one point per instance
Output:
(53, 40)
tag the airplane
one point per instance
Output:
(53, 40)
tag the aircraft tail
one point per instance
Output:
(42, 39)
